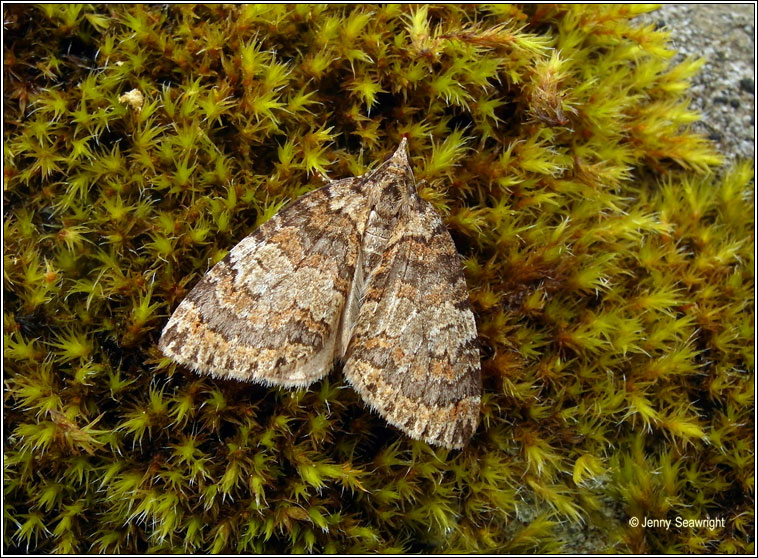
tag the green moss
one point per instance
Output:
(610, 270)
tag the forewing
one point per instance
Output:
(271, 311)
(413, 355)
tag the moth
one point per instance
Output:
(361, 271)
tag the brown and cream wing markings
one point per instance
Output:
(364, 270)
(270, 312)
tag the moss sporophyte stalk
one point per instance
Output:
(608, 255)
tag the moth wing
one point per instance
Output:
(271, 311)
(413, 354)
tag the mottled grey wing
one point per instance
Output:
(271, 311)
(413, 355)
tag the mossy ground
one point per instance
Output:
(609, 258)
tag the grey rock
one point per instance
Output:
(724, 35)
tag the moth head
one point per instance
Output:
(393, 188)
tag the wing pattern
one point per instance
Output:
(361, 270)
